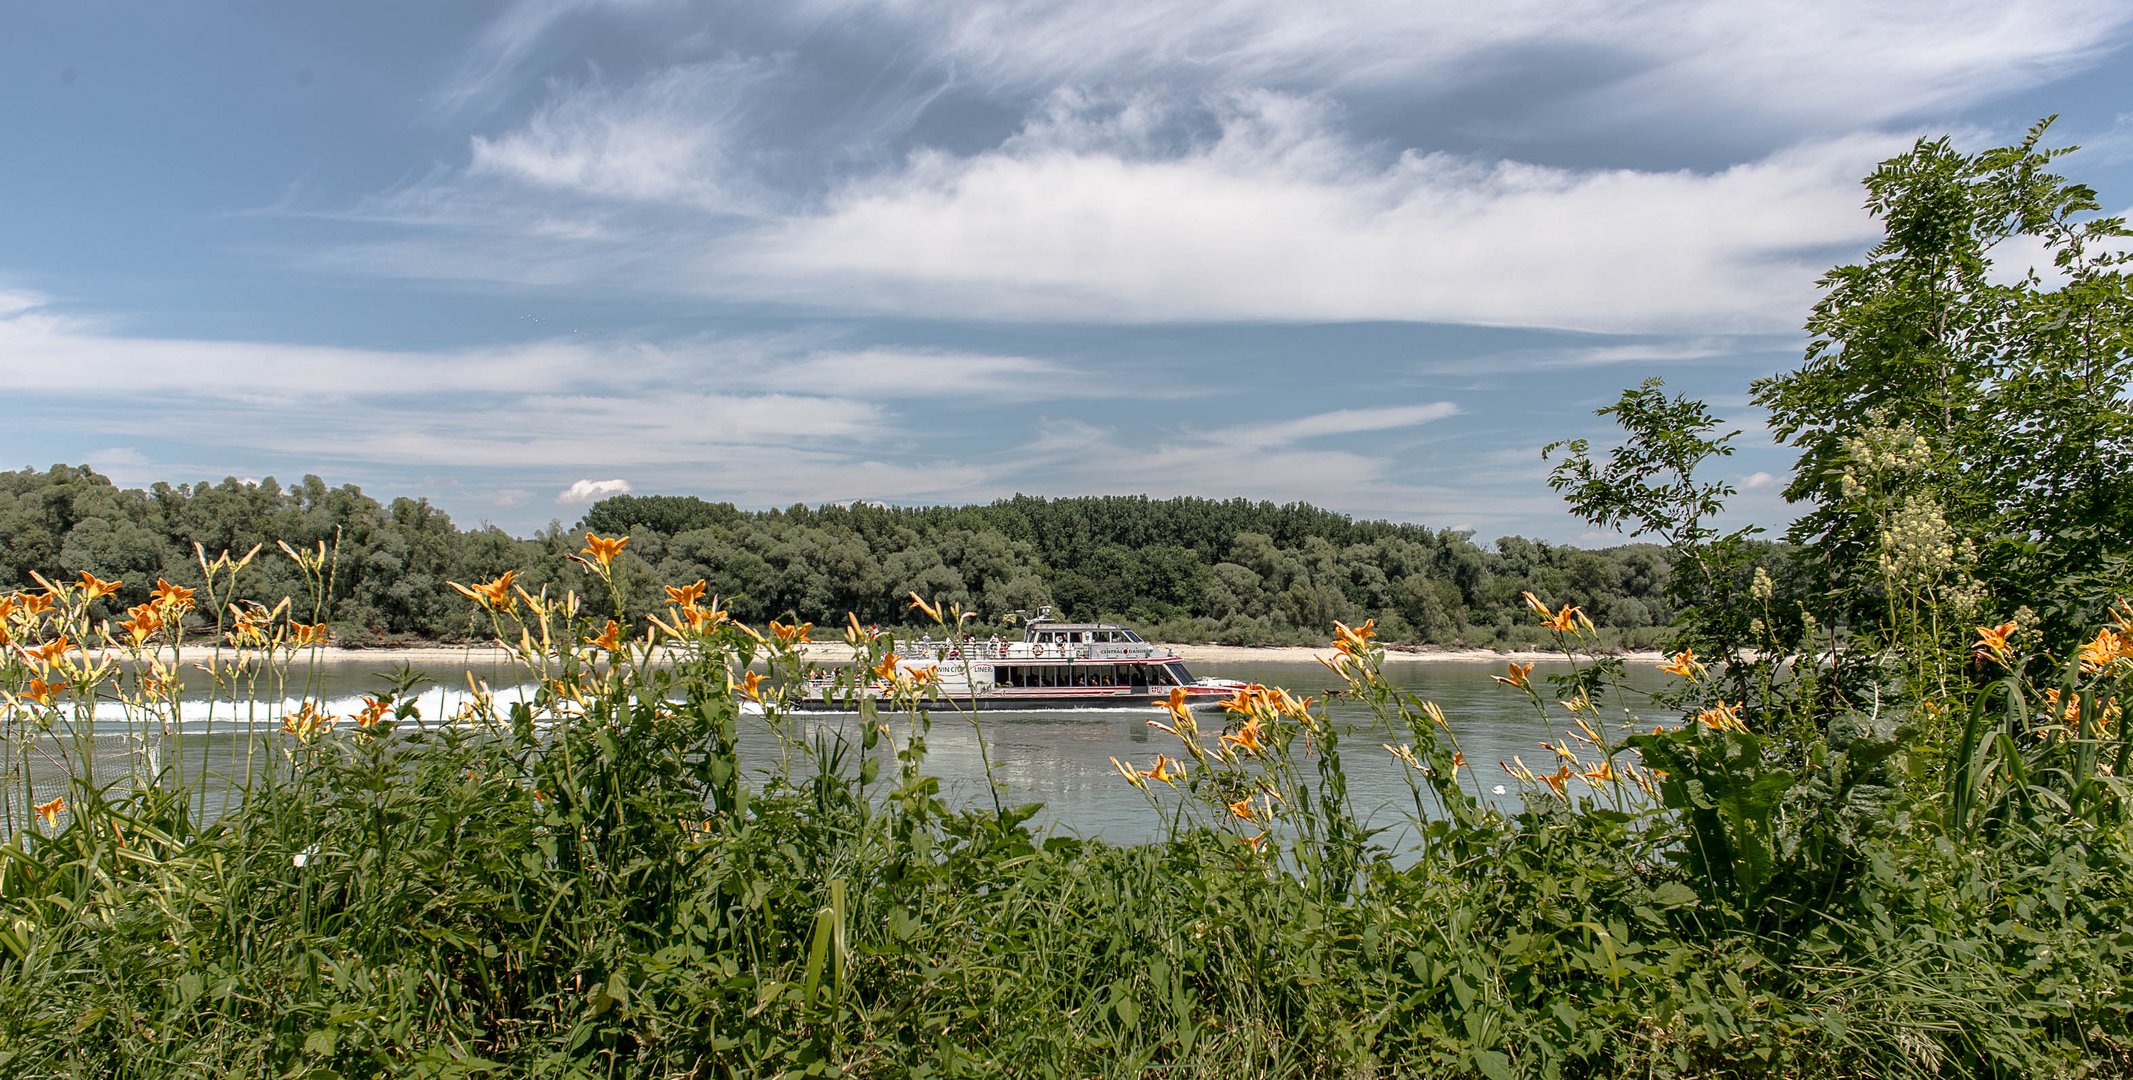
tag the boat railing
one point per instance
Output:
(974, 649)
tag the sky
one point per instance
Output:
(515, 257)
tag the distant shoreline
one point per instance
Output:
(490, 656)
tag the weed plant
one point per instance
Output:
(583, 880)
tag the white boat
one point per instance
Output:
(1055, 665)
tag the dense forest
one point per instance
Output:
(1190, 569)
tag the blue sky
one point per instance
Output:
(513, 256)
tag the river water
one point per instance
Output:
(1059, 757)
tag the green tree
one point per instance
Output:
(2017, 385)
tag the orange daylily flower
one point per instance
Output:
(91, 588)
(795, 634)
(1458, 762)
(306, 635)
(887, 669)
(494, 594)
(142, 622)
(603, 550)
(1722, 717)
(43, 692)
(1242, 809)
(1684, 664)
(46, 654)
(1557, 781)
(1166, 770)
(1254, 842)
(1175, 703)
(1515, 675)
(703, 619)
(1354, 642)
(50, 811)
(171, 596)
(686, 595)
(374, 709)
(2108, 648)
(1994, 638)
(610, 638)
(1566, 621)
(1247, 738)
(35, 603)
(305, 722)
(752, 685)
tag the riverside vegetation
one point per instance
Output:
(1202, 570)
(1887, 835)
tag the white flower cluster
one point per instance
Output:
(1763, 588)
(1883, 454)
(1917, 544)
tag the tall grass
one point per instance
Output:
(585, 880)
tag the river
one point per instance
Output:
(1059, 757)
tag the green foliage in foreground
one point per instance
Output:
(588, 885)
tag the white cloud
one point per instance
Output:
(1751, 60)
(668, 138)
(1758, 480)
(1280, 218)
(590, 491)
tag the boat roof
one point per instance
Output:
(1047, 624)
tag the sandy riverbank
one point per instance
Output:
(478, 657)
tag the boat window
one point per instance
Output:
(1162, 676)
(1178, 674)
(1139, 674)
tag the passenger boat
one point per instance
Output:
(1056, 664)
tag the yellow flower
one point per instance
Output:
(1684, 664)
(50, 811)
(603, 550)
(1515, 675)
(1354, 642)
(494, 594)
(91, 588)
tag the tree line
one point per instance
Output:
(1233, 571)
